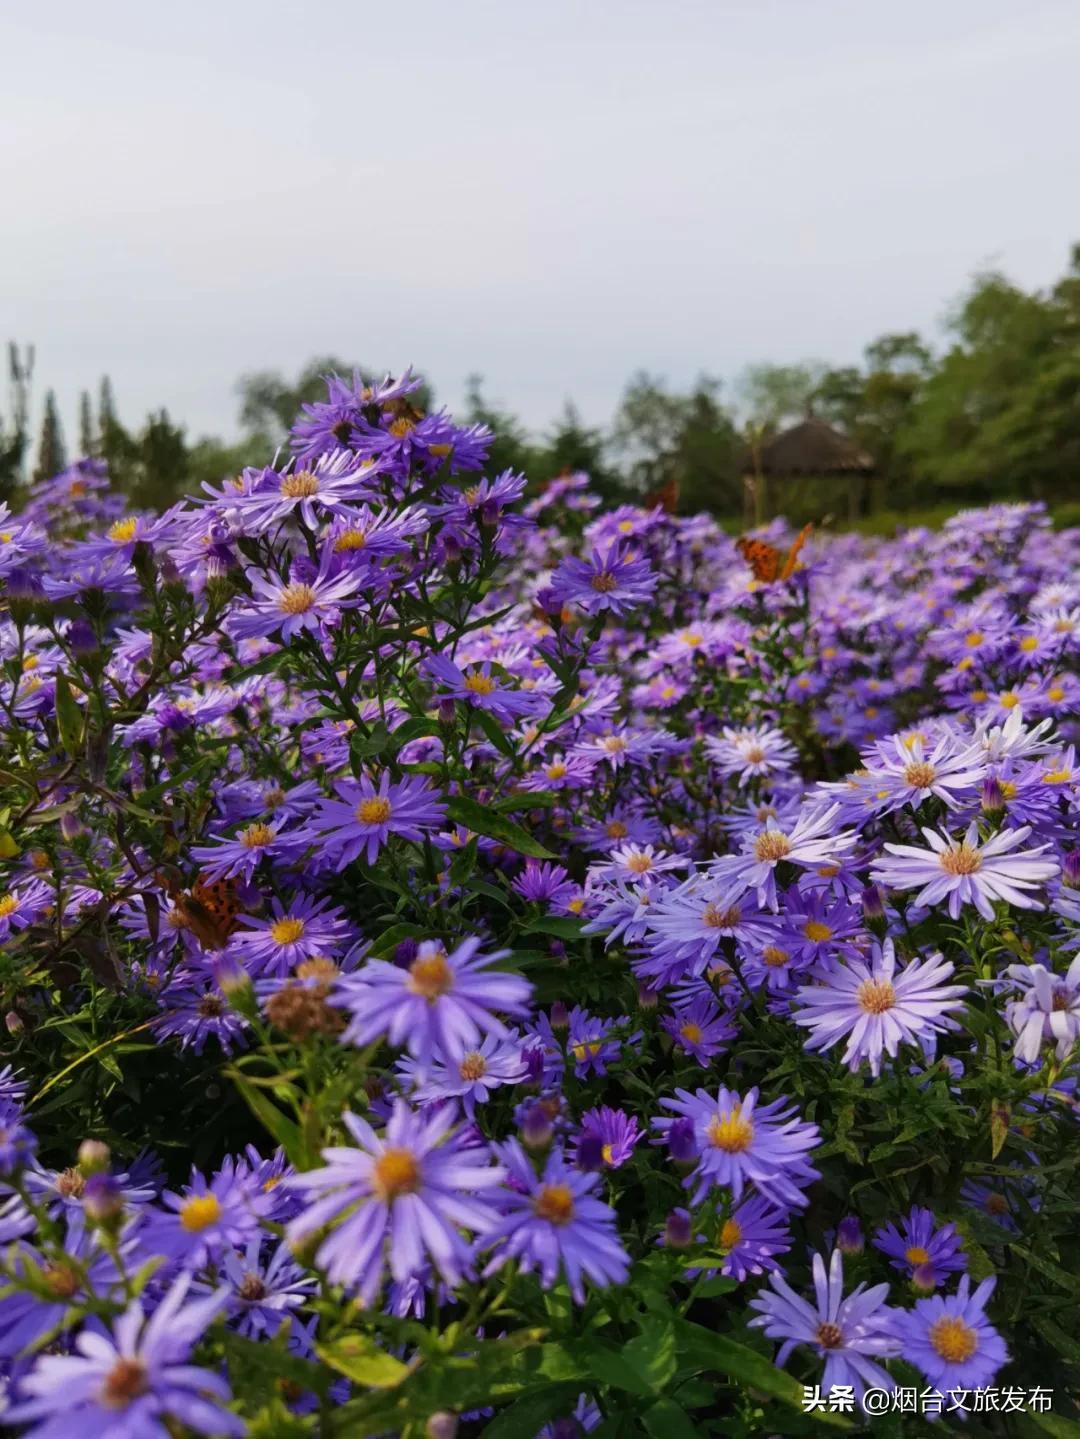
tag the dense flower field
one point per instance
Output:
(475, 961)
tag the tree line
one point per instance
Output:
(994, 413)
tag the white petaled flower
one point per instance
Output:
(906, 772)
(751, 753)
(967, 872)
(1047, 1012)
(877, 1007)
(810, 843)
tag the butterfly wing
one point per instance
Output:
(791, 563)
(763, 559)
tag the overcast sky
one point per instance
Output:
(553, 194)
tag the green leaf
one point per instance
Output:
(1054, 1424)
(360, 1359)
(562, 926)
(613, 1367)
(529, 1414)
(667, 1420)
(653, 1354)
(527, 799)
(70, 721)
(494, 732)
(284, 1130)
(700, 1348)
(483, 820)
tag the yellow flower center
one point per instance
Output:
(8, 905)
(555, 770)
(919, 774)
(256, 835)
(123, 530)
(480, 684)
(376, 810)
(296, 599)
(1057, 776)
(775, 957)
(771, 846)
(916, 1255)
(402, 427)
(816, 931)
(960, 859)
(691, 1032)
(473, 1066)
(555, 1203)
(395, 1172)
(954, 1340)
(286, 931)
(199, 1212)
(754, 755)
(317, 967)
(300, 485)
(875, 996)
(639, 863)
(431, 976)
(613, 743)
(973, 639)
(1029, 643)
(716, 918)
(1009, 700)
(350, 540)
(729, 1236)
(733, 1134)
(617, 830)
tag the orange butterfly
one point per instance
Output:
(209, 909)
(767, 562)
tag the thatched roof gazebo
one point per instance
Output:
(809, 449)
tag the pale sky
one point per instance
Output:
(552, 194)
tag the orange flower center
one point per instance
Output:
(300, 485)
(296, 599)
(430, 976)
(954, 1340)
(732, 1134)
(555, 1203)
(772, 846)
(376, 810)
(875, 996)
(961, 859)
(395, 1172)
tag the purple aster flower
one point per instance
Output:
(951, 1340)
(438, 1006)
(810, 843)
(401, 1199)
(594, 1043)
(758, 752)
(17, 1142)
(615, 1132)
(206, 1219)
(877, 1007)
(919, 1242)
(741, 1145)
(306, 601)
(24, 905)
(750, 1236)
(902, 771)
(365, 814)
(968, 872)
(128, 1381)
(848, 1334)
(542, 882)
(473, 1077)
(1047, 1012)
(480, 689)
(195, 1010)
(262, 1291)
(552, 1223)
(701, 1028)
(302, 929)
(615, 581)
(240, 856)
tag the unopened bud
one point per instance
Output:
(590, 1153)
(1070, 869)
(559, 1016)
(103, 1203)
(94, 1156)
(537, 1129)
(992, 799)
(849, 1236)
(682, 1146)
(678, 1232)
(441, 1425)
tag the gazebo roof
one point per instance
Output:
(810, 448)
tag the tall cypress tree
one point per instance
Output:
(87, 445)
(50, 458)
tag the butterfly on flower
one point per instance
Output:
(767, 562)
(209, 909)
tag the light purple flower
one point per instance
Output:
(967, 872)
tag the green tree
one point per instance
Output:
(1000, 415)
(511, 448)
(688, 440)
(86, 425)
(779, 395)
(14, 432)
(51, 455)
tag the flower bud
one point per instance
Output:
(873, 908)
(559, 1016)
(590, 1153)
(13, 1024)
(923, 1279)
(103, 1203)
(1070, 869)
(682, 1146)
(992, 799)
(94, 1156)
(678, 1232)
(537, 1129)
(441, 1425)
(849, 1236)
